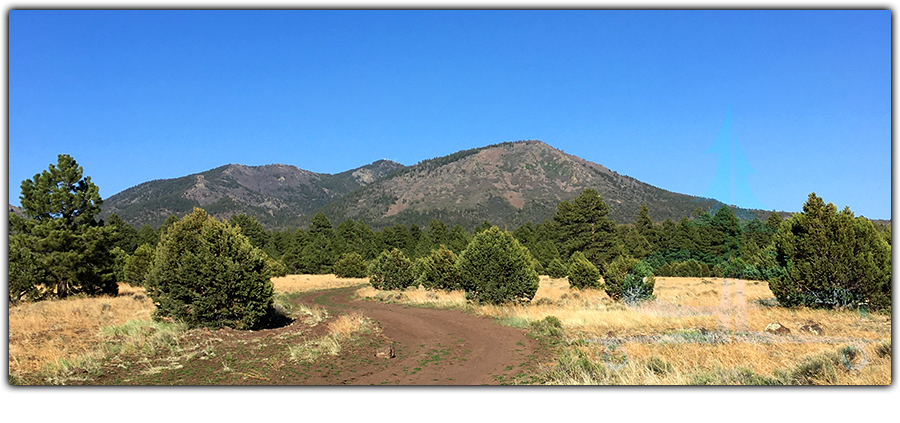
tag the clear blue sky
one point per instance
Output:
(142, 95)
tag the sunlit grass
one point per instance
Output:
(664, 333)
(46, 333)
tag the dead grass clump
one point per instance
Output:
(344, 328)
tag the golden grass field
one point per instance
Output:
(44, 334)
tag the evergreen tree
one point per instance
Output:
(646, 228)
(459, 239)
(774, 222)
(438, 270)
(496, 269)
(438, 233)
(729, 229)
(391, 270)
(557, 269)
(206, 273)
(27, 277)
(322, 249)
(831, 258)
(137, 265)
(483, 227)
(251, 229)
(628, 279)
(166, 225)
(126, 236)
(583, 273)
(357, 237)
(583, 225)
(60, 235)
(525, 234)
(351, 265)
(146, 235)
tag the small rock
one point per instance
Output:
(813, 328)
(777, 328)
(385, 352)
(106, 306)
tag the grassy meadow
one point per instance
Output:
(697, 331)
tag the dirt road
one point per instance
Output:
(439, 347)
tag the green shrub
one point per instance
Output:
(206, 273)
(438, 270)
(496, 269)
(277, 267)
(583, 273)
(550, 326)
(137, 265)
(391, 270)
(658, 365)
(831, 259)
(350, 265)
(26, 273)
(629, 279)
(685, 269)
(816, 370)
(557, 269)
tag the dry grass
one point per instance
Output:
(417, 296)
(341, 329)
(46, 332)
(304, 283)
(667, 330)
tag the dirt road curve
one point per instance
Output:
(438, 347)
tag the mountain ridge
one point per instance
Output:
(507, 184)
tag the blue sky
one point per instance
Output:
(142, 95)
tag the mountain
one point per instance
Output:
(507, 184)
(15, 210)
(276, 195)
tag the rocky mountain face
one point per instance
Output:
(277, 195)
(506, 184)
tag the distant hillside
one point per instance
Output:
(277, 195)
(15, 210)
(507, 184)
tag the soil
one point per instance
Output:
(430, 347)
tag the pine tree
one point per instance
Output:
(583, 273)
(60, 233)
(126, 236)
(645, 227)
(583, 225)
(251, 229)
(137, 265)
(831, 259)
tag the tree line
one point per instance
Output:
(820, 257)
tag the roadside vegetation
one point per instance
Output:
(709, 300)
